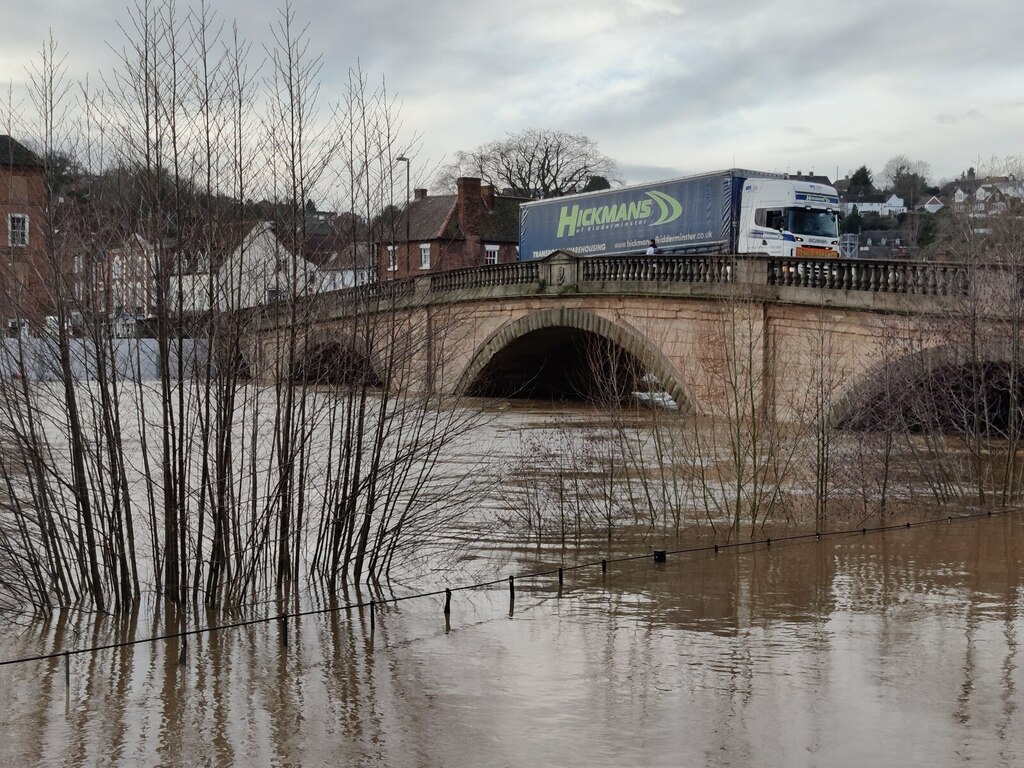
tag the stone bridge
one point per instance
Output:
(797, 335)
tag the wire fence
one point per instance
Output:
(657, 555)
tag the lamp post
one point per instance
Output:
(408, 265)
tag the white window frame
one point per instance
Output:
(424, 255)
(392, 258)
(11, 217)
(491, 254)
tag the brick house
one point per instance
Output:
(24, 267)
(471, 228)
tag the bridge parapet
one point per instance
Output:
(907, 277)
(855, 283)
(490, 276)
(660, 269)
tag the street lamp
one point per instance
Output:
(408, 266)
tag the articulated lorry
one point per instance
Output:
(733, 211)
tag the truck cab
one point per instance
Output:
(788, 218)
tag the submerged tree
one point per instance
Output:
(215, 451)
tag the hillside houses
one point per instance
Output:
(880, 203)
(985, 197)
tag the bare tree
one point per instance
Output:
(532, 163)
(907, 178)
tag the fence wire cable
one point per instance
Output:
(374, 603)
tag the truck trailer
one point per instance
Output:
(732, 211)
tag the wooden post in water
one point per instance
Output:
(511, 594)
(284, 630)
(660, 555)
(447, 601)
(183, 650)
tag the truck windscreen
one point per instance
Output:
(807, 221)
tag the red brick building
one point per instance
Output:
(471, 228)
(24, 264)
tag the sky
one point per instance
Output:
(664, 87)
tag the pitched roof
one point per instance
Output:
(349, 257)
(428, 217)
(434, 217)
(501, 225)
(226, 238)
(871, 198)
(14, 154)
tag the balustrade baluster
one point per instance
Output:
(944, 284)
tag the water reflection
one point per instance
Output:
(902, 648)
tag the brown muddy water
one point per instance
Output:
(900, 648)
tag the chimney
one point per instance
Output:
(419, 194)
(487, 192)
(471, 209)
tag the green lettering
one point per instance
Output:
(567, 221)
(645, 208)
(587, 217)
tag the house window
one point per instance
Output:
(392, 259)
(424, 255)
(491, 254)
(17, 230)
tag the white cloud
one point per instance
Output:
(658, 84)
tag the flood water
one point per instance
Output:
(897, 648)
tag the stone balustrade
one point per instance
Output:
(490, 276)
(855, 283)
(920, 278)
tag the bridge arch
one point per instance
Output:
(623, 337)
(326, 358)
(933, 383)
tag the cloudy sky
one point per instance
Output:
(665, 87)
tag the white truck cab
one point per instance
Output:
(788, 218)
